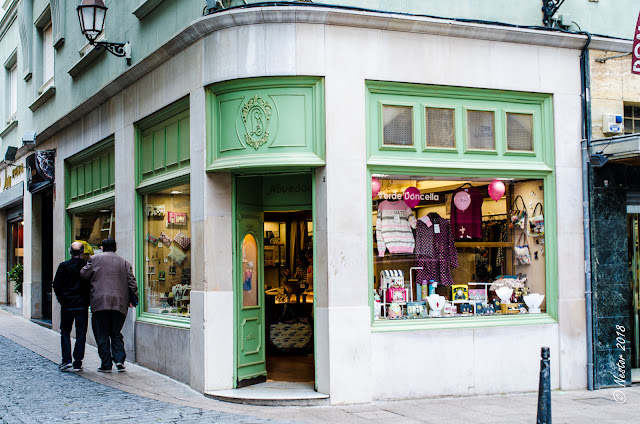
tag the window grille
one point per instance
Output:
(398, 125)
(520, 132)
(440, 125)
(481, 133)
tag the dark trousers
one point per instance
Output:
(106, 329)
(67, 318)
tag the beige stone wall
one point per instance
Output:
(612, 84)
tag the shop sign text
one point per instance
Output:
(280, 189)
(427, 197)
(8, 179)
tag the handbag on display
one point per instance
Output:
(521, 251)
(151, 239)
(518, 217)
(536, 222)
(165, 238)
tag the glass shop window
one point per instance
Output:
(91, 228)
(452, 248)
(167, 241)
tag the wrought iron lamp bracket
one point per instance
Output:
(549, 8)
(117, 49)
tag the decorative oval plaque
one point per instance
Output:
(256, 114)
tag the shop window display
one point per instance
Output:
(91, 228)
(167, 253)
(452, 248)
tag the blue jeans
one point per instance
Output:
(67, 318)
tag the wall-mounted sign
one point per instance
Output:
(635, 56)
(8, 179)
(40, 170)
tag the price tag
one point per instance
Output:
(436, 228)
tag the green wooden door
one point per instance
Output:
(249, 288)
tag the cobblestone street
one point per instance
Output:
(34, 391)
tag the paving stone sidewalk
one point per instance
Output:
(35, 391)
(32, 390)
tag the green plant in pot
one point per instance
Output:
(15, 275)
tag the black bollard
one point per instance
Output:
(544, 391)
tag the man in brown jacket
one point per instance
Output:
(111, 281)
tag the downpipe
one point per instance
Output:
(586, 216)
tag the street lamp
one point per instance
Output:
(91, 14)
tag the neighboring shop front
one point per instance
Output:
(614, 200)
(12, 223)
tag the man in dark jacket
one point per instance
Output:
(72, 292)
(112, 280)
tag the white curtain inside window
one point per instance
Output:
(14, 90)
(47, 43)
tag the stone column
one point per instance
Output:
(32, 286)
(125, 217)
(344, 182)
(212, 328)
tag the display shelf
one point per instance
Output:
(483, 244)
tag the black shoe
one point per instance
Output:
(64, 367)
(120, 367)
(104, 369)
(77, 368)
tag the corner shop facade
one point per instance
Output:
(323, 65)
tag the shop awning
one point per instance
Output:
(12, 196)
(623, 149)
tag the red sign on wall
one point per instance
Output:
(635, 59)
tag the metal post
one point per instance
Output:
(544, 390)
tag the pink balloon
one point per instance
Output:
(462, 200)
(496, 189)
(411, 196)
(375, 187)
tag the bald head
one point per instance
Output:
(76, 249)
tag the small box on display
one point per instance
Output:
(510, 308)
(417, 309)
(459, 292)
(477, 294)
(466, 308)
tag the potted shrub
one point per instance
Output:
(15, 275)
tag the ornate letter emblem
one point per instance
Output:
(255, 116)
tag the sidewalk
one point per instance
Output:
(568, 407)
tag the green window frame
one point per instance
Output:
(162, 145)
(96, 165)
(167, 130)
(90, 176)
(463, 164)
(380, 93)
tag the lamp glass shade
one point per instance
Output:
(91, 14)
